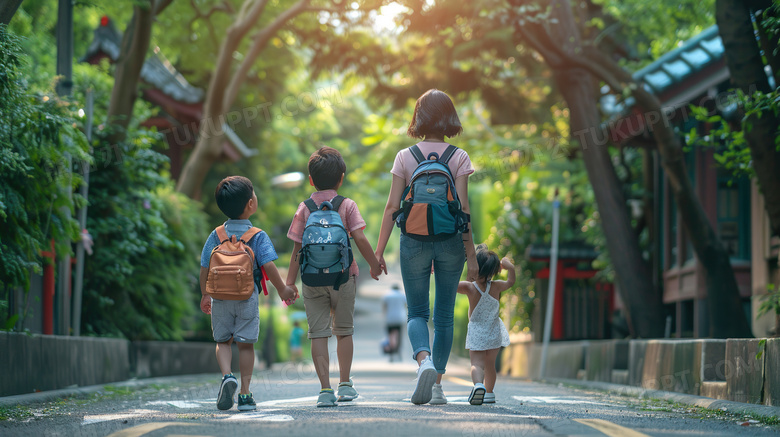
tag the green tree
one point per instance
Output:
(251, 30)
(747, 56)
(141, 282)
(570, 54)
(37, 138)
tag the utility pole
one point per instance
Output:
(64, 88)
(78, 287)
(548, 318)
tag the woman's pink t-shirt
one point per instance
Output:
(405, 164)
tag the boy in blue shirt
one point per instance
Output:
(238, 320)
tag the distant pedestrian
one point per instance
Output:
(320, 230)
(296, 351)
(394, 309)
(429, 201)
(229, 259)
(486, 332)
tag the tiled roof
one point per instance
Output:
(693, 56)
(157, 71)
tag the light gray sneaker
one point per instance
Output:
(438, 397)
(347, 392)
(426, 377)
(326, 399)
(490, 398)
(477, 394)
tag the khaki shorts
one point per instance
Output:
(326, 306)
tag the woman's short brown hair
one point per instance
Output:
(434, 114)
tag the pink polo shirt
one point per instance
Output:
(405, 164)
(348, 211)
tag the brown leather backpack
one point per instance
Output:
(231, 267)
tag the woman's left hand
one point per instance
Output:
(472, 269)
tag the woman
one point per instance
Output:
(434, 119)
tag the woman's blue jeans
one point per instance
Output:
(447, 258)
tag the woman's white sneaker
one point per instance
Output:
(437, 397)
(490, 398)
(426, 376)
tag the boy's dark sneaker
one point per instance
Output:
(226, 391)
(246, 402)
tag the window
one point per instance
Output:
(734, 215)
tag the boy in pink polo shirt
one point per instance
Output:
(326, 306)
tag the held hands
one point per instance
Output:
(289, 294)
(376, 271)
(205, 304)
(382, 263)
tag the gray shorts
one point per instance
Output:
(239, 319)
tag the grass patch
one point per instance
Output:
(15, 413)
(704, 413)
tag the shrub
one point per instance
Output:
(37, 138)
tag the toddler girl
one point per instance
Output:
(486, 332)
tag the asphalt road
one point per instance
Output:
(286, 397)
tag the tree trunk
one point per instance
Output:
(640, 297)
(207, 150)
(643, 303)
(723, 292)
(134, 46)
(747, 73)
(723, 299)
(224, 86)
(8, 9)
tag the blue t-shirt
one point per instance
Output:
(295, 337)
(260, 244)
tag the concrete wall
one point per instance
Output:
(744, 372)
(165, 358)
(33, 363)
(722, 369)
(772, 372)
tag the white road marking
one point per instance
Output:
(258, 416)
(179, 404)
(306, 399)
(555, 400)
(97, 418)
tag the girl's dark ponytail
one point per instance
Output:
(488, 261)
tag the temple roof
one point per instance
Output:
(700, 58)
(157, 71)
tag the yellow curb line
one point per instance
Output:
(140, 430)
(610, 428)
(459, 381)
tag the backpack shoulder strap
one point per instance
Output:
(448, 152)
(222, 234)
(417, 153)
(310, 204)
(336, 202)
(249, 234)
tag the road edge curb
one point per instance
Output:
(53, 395)
(682, 398)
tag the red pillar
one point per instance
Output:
(48, 291)
(558, 322)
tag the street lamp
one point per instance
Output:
(288, 180)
